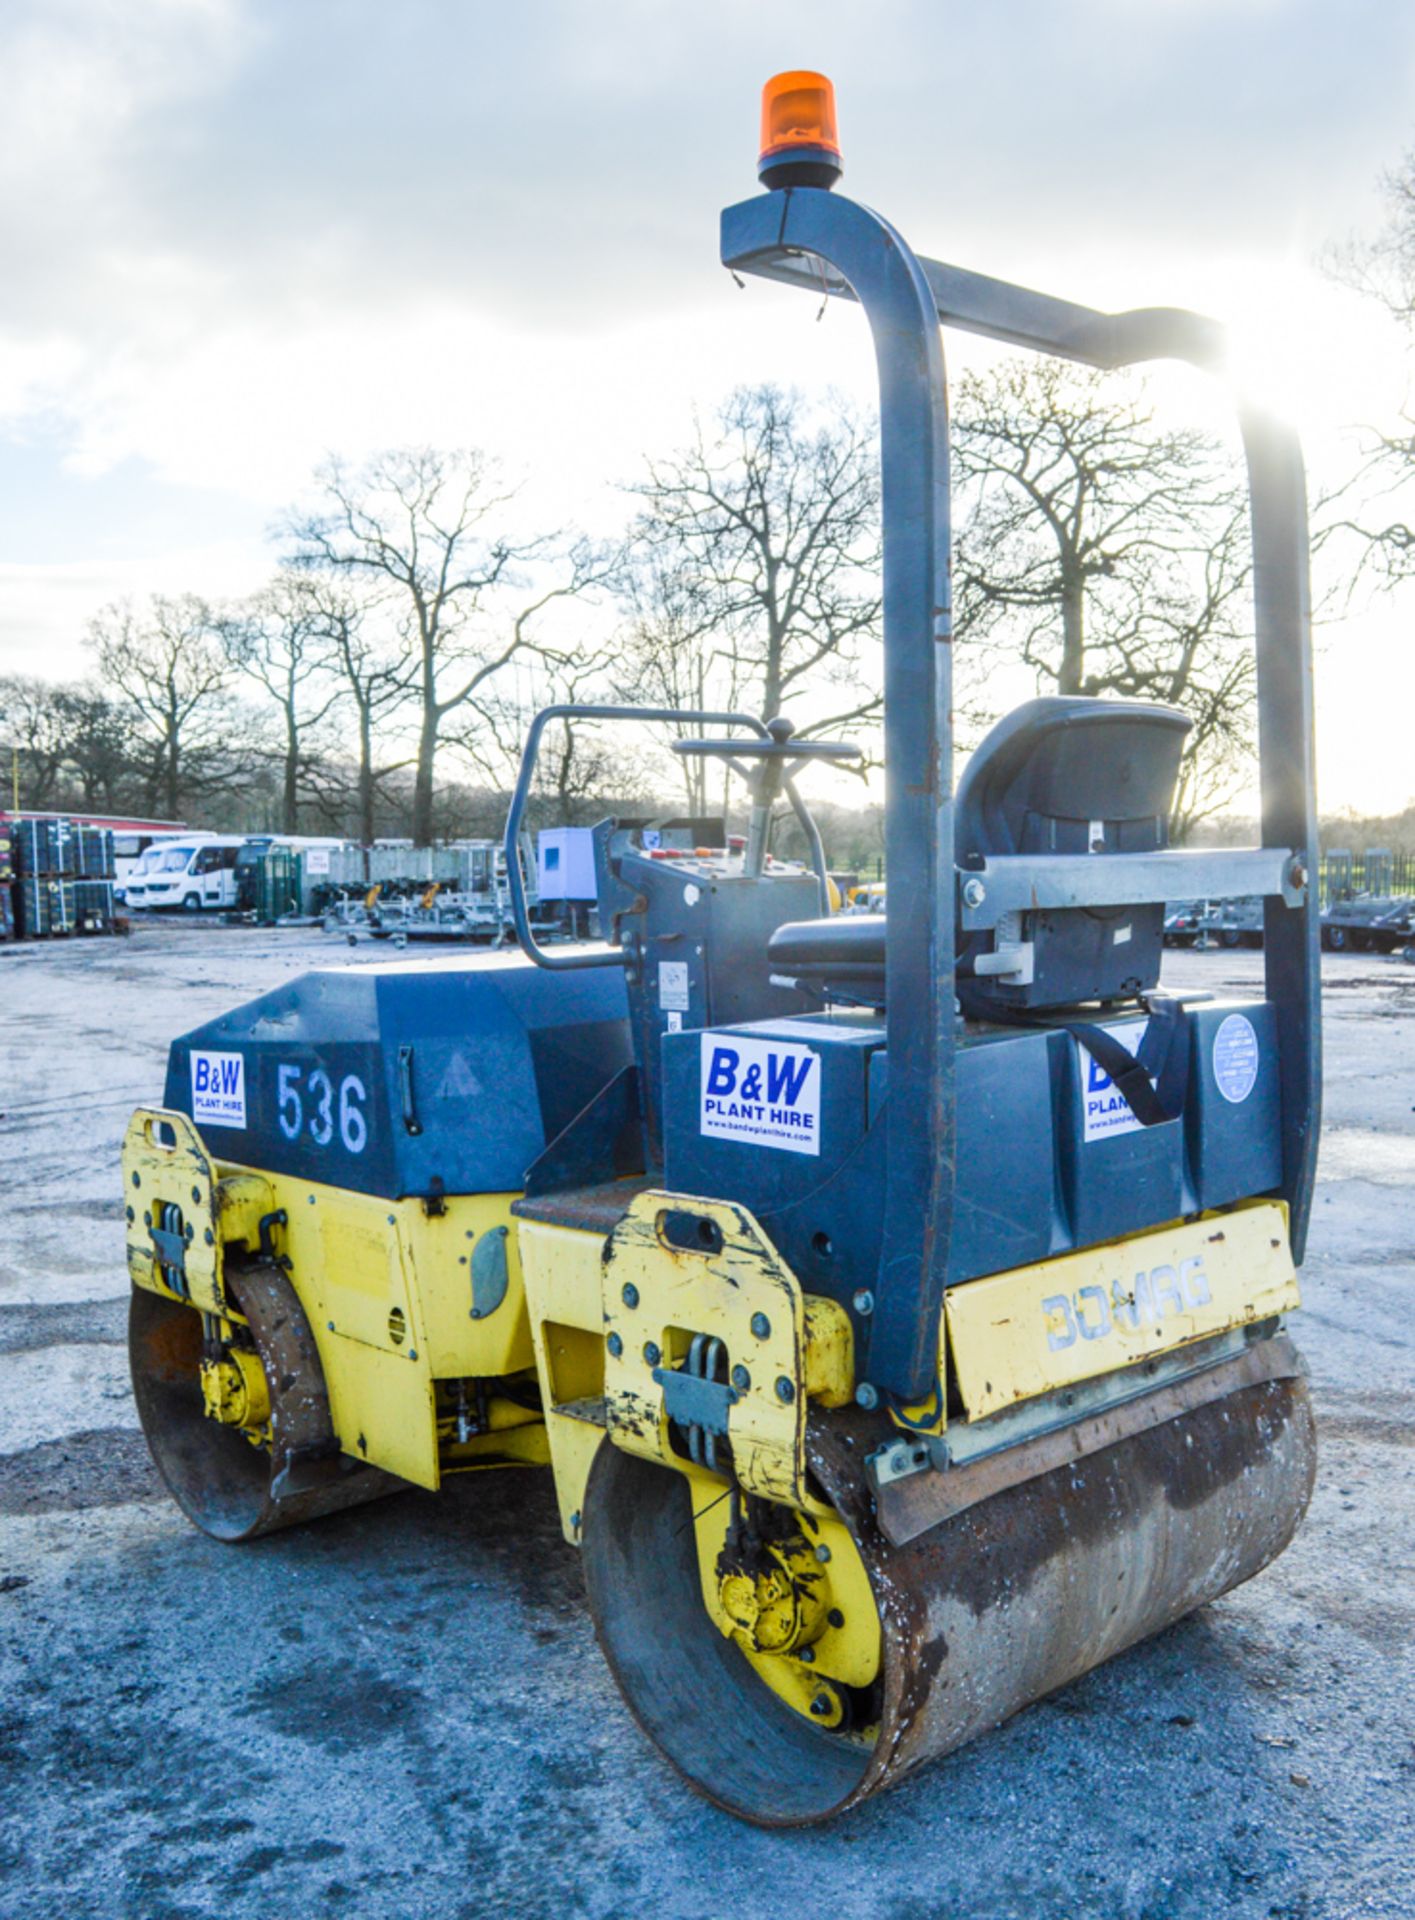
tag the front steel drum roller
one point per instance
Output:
(979, 1617)
(239, 1428)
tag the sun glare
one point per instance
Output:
(1318, 354)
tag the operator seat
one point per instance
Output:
(1062, 774)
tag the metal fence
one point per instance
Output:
(1379, 870)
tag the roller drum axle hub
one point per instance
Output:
(234, 1389)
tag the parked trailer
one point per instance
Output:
(1214, 923)
(292, 880)
(1396, 929)
(1369, 923)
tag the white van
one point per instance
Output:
(135, 853)
(195, 873)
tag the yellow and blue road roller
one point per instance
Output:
(896, 1299)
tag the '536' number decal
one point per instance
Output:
(317, 1108)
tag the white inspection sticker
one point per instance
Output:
(765, 1093)
(1236, 1058)
(219, 1089)
(673, 986)
(1104, 1108)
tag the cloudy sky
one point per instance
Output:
(238, 235)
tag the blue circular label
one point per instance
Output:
(1236, 1057)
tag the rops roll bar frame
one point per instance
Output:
(822, 241)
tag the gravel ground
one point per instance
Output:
(401, 1711)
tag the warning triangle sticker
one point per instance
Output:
(458, 1082)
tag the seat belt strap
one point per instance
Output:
(1151, 1080)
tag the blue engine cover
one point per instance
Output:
(448, 1074)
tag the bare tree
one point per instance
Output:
(1383, 267)
(376, 679)
(1377, 504)
(670, 656)
(584, 765)
(756, 557)
(76, 746)
(419, 527)
(281, 639)
(1108, 553)
(99, 746)
(33, 723)
(174, 676)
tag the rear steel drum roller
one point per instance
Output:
(226, 1476)
(982, 1615)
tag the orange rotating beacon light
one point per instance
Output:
(800, 146)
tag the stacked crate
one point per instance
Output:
(64, 878)
(93, 889)
(39, 851)
(7, 890)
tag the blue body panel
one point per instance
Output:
(410, 1078)
(1033, 1176)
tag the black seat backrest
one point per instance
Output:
(1057, 768)
(1070, 774)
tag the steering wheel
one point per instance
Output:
(779, 747)
(778, 760)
